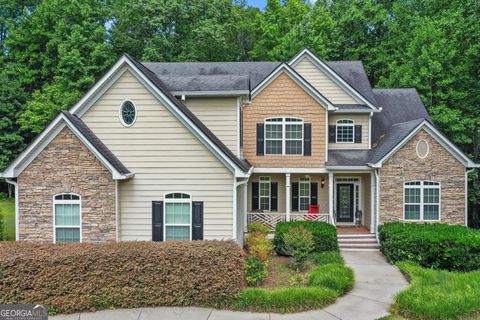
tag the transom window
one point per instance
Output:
(284, 136)
(304, 193)
(178, 216)
(67, 218)
(422, 200)
(345, 131)
(264, 193)
(128, 113)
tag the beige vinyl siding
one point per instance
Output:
(323, 83)
(358, 119)
(165, 157)
(219, 115)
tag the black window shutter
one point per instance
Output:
(260, 139)
(332, 132)
(307, 139)
(255, 199)
(314, 193)
(273, 196)
(294, 196)
(157, 220)
(197, 220)
(358, 134)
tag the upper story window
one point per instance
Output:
(345, 131)
(422, 200)
(67, 218)
(128, 113)
(178, 216)
(284, 136)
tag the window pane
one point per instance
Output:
(274, 131)
(177, 213)
(412, 195)
(304, 202)
(304, 189)
(265, 203)
(430, 212)
(293, 146)
(293, 131)
(431, 195)
(264, 189)
(412, 212)
(67, 235)
(67, 214)
(344, 133)
(177, 233)
(273, 147)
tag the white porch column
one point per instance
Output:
(372, 202)
(330, 197)
(287, 196)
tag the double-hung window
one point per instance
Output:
(304, 193)
(284, 136)
(422, 200)
(345, 131)
(264, 193)
(178, 216)
(67, 220)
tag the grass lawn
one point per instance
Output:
(436, 294)
(7, 210)
(285, 290)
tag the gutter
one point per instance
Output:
(236, 184)
(15, 184)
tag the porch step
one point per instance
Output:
(358, 242)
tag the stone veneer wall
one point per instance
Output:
(66, 165)
(284, 98)
(439, 166)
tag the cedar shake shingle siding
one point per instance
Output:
(64, 166)
(439, 166)
(283, 98)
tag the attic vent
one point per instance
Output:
(422, 149)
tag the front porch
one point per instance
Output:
(338, 198)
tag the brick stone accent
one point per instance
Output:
(283, 98)
(439, 166)
(66, 165)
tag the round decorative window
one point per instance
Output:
(422, 149)
(128, 113)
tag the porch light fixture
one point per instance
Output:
(322, 182)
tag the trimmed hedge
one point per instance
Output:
(324, 235)
(437, 246)
(79, 277)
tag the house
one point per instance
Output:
(164, 151)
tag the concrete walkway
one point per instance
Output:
(376, 284)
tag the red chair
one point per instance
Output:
(313, 211)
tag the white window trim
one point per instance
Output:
(120, 113)
(428, 149)
(55, 202)
(284, 140)
(422, 186)
(173, 200)
(269, 192)
(309, 192)
(352, 124)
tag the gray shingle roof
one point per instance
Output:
(245, 166)
(97, 143)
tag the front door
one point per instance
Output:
(345, 204)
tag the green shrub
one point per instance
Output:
(322, 258)
(255, 270)
(80, 277)
(258, 227)
(324, 235)
(2, 228)
(437, 246)
(256, 265)
(299, 244)
(334, 276)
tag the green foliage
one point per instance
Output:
(258, 227)
(324, 235)
(2, 228)
(256, 264)
(327, 257)
(7, 211)
(435, 294)
(335, 276)
(437, 246)
(299, 244)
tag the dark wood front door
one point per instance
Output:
(345, 202)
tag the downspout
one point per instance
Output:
(15, 184)
(236, 184)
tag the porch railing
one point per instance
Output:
(270, 219)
